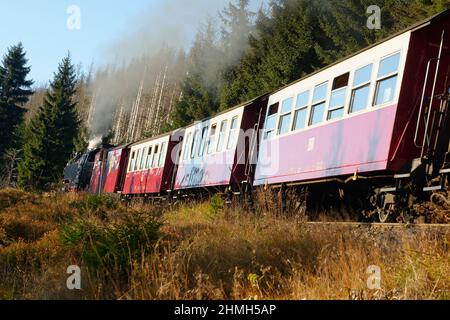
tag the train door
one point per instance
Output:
(433, 127)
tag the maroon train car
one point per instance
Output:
(363, 115)
(98, 172)
(116, 162)
(215, 151)
(151, 165)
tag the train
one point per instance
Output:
(371, 131)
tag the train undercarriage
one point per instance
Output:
(359, 199)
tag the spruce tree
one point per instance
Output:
(51, 133)
(14, 92)
(200, 88)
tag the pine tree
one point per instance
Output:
(298, 37)
(237, 28)
(14, 92)
(200, 87)
(283, 49)
(51, 133)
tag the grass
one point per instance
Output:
(204, 250)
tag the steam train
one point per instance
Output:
(371, 130)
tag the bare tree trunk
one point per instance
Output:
(158, 109)
(150, 121)
(12, 158)
(135, 112)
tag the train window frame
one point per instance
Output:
(162, 154)
(222, 135)
(148, 163)
(203, 138)
(187, 146)
(285, 114)
(155, 156)
(301, 108)
(317, 103)
(194, 143)
(138, 160)
(132, 159)
(384, 78)
(232, 132)
(338, 88)
(357, 87)
(211, 139)
(142, 164)
(272, 114)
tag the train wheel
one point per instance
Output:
(405, 216)
(383, 215)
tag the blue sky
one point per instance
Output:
(41, 25)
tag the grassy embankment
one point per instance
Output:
(204, 251)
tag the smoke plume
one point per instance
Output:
(150, 54)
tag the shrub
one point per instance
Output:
(95, 204)
(113, 245)
(216, 205)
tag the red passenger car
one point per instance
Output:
(116, 162)
(151, 165)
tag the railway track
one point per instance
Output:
(380, 225)
(384, 234)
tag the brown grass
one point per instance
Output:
(208, 251)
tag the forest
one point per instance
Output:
(235, 56)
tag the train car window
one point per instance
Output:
(271, 121)
(341, 81)
(286, 115)
(233, 132)
(212, 138)
(300, 119)
(155, 157)
(387, 80)
(361, 89)
(363, 75)
(317, 112)
(194, 145)
(223, 130)
(301, 111)
(131, 166)
(201, 149)
(138, 160)
(319, 101)
(338, 97)
(144, 152)
(389, 65)
(302, 100)
(385, 90)
(187, 146)
(320, 92)
(273, 109)
(162, 154)
(149, 158)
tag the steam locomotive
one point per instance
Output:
(371, 130)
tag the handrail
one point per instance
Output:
(425, 136)
(251, 150)
(422, 100)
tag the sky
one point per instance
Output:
(42, 27)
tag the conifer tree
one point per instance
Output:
(14, 92)
(200, 87)
(51, 133)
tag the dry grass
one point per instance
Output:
(205, 251)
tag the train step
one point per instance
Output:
(433, 188)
